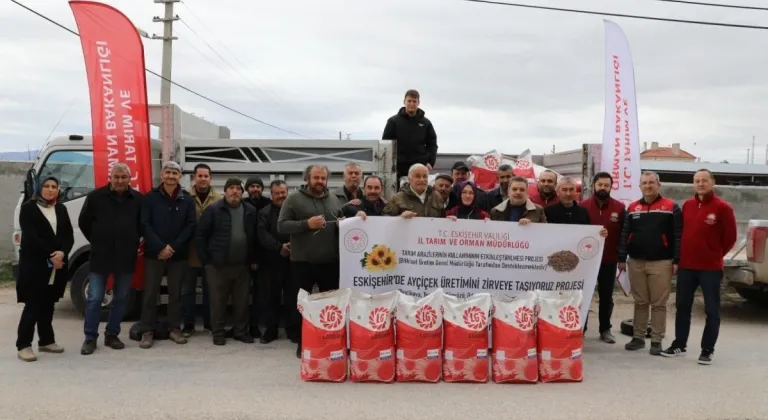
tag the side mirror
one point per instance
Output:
(29, 184)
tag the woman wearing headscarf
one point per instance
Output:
(467, 207)
(46, 239)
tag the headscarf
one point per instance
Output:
(39, 195)
(464, 211)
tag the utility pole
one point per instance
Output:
(168, 38)
(753, 150)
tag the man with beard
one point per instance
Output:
(351, 190)
(276, 268)
(310, 216)
(226, 239)
(443, 184)
(168, 224)
(414, 136)
(518, 207)
(416, 198)
(610, 214)
(204, 195)
(499, 194)
(254, 186)
(110, 221)
(649, 250)
(545, 187)
(371, 204)
(460, 174)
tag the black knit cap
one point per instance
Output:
(233, 181)
(254, 180)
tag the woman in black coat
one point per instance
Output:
(46, 239)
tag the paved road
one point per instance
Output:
(239, 381)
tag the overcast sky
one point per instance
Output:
(490, 76)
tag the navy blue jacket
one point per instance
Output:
(168, 221)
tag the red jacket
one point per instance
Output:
(537, 199)
(611, 216)
(476, 214)
(709, 232)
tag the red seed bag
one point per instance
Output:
(372, 337)
(465, 350)
(419, 337)
(560, 337)
(514, 358)
(324, 335)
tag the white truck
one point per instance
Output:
(746, 267)
(190, 140)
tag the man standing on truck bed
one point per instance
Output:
(610, 214)
(203, 195)
(413, 135)
(226, 244)
(310, 217)
(709, 233)
(168, 222)
(110, 221)
(651, 237)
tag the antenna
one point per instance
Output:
(47, 139)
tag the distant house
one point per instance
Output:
(666, 153)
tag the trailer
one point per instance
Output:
(190, 140)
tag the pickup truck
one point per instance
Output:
(746, 268)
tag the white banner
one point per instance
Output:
(465, 257)
(621, 135)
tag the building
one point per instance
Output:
(666, 153)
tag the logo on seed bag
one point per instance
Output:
(524, 318)
(569, 317)
(475, 318)
(523, 164)
(355, 240)
(381, 258)
(426, 317)
(378, 318)
(300, 308)
(331, 317)
(491, 162)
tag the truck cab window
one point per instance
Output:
(73, 169)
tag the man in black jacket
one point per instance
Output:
(276, 267)
(254, 186)
(413, 134)
(168, 223)
(567, 211)
(110, 221)
(371, 203)
(226, 246)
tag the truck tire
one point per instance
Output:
(78, 292)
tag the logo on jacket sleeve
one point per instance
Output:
(711, 219)
(614, 217)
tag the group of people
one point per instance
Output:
(242, 242)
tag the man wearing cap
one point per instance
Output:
(254, 186)
(414, 136)
(460, 173)
(168, 224)
(226, 246)
(443, 184)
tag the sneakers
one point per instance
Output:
(147, 340)
(188, 330)
(673, 351)
(51, 348)
(177, 337)
(706, 357)
(89, 346)
(655, 349)
(27, 355)
(113, 342)
(635, 344)
(607, 337)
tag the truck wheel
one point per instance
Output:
(628, 328)
(78, 291)
(753, 296)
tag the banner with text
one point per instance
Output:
(114, 63)
(465, 257)
(621, 135)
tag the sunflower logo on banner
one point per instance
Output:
(381, 258)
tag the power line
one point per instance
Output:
(727, 6)
(589, 12)
(200, 95)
